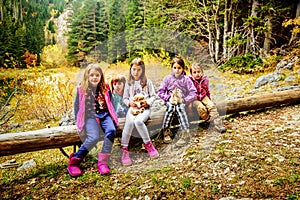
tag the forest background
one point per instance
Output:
(237, 36)
(242, 36)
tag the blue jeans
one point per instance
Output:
(92, 129)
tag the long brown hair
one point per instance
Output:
(84, 85)
(143, 78)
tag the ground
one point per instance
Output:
(258, 158)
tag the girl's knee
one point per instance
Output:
(93, 139)
(139, 123)
(111, 136)
(110, 129)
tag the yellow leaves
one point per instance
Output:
(53, 12)
(296, 30)
(42, 96)
(53, 56)
(293, 22)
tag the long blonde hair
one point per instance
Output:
(84, 85)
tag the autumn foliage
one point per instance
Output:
(29, 58)
(35, 95)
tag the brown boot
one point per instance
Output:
(184, 138)
(167, 136)
(218, 124)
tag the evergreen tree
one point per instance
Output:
(134, 22)
(116, 41)
(22, 26)
(88, 30)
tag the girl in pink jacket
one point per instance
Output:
(94, 110)
(205, 107)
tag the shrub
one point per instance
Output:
(247, 63)
(40, 96)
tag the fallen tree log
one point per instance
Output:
(62, 136)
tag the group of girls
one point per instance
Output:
(96, 105)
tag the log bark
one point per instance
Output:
(56, 137)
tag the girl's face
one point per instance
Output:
(136, 72)
(196, 73)
(118, 87)
(177, 70)
(94, 77)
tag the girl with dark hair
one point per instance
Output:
(138, 84)
(177, 82)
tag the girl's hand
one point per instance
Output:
(132, 104)
(189, 107)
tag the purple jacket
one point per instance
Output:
(202, 87)
(79, 108)
(183, 83)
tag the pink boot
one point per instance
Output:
(103, 163)
(151, 150)
(125, 157)
(73, 167)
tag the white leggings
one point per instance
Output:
(139, 122)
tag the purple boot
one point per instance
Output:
(73, 167)
(151, 150)
(103, 163)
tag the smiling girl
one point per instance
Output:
(94, 110)
(177, 81)
(137, 84)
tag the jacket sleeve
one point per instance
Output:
(151, 91)
(192, 91)
(163, 92)
(126, 95)
(76, 105)
(204, 89)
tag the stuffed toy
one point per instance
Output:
(140, 101)
(176, 97)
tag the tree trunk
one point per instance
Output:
(13, 143)
(251, 44)
(217, 30)
(295, 35)
(267, 40)
(210, 35)
(225, 31)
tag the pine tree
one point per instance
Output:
(116, 41)
(134, 24)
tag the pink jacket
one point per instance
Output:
(79, 107)
(202, 87)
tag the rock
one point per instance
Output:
(286, 64)
(268, 160)
(290, 79)
(27, 165)
(68, 119)
(279, 157)
(269, 78)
